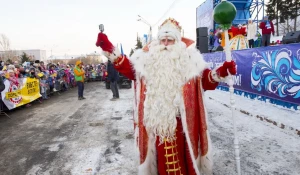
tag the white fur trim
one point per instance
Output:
(169, 30)
(149, 167)
(112, 56)
(136, 146)
(215, 76)
(138, 61)
(188, 139)
(206, 161)
(135, 116)
(197, 64)
(136, 98)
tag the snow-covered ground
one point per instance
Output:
(264, 147)
(285, 118)
(95, 136)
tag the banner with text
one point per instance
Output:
(23, 92)
(272, 72)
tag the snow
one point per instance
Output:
(288, 117)
(95, 136)
(264, 147)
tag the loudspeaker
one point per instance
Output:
(202, 31)
(202, 44)
(291, 37)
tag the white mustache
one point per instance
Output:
(162, 47)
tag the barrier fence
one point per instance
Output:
(267, 73)
(29, 89)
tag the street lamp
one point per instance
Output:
(141, 19)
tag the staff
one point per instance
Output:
(224, 14)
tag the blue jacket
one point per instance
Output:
(113, 74)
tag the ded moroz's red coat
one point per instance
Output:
(192, 111)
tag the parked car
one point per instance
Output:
(122, 82)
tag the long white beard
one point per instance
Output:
(164, 75)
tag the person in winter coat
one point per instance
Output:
(251, 33)
(171, 134)
(113, 77)
(211, 40)
(2, 85)
(267, 28)
(217, 38)
(79, 78)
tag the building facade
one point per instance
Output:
(14, 55)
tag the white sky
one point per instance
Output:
(71, 26)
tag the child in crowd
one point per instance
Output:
(43, 86)
(12, 77)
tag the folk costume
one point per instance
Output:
(170, 120)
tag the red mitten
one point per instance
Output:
(230, 66)
(104, 43)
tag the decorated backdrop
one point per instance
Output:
(267, 73)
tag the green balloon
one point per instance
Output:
(224, 13)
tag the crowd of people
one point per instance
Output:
(53, 77)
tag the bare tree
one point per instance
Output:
(6, 52)
(288, 26)
(297, 24)
(4, 43)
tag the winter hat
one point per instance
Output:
(10, 71)
(170, 28)
(11, 67)
(78, 62)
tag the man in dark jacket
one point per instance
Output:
(113, 77)
(211, 40)
(267, 28)
(2, 85)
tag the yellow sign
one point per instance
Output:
(14, 94)
(27, 91)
